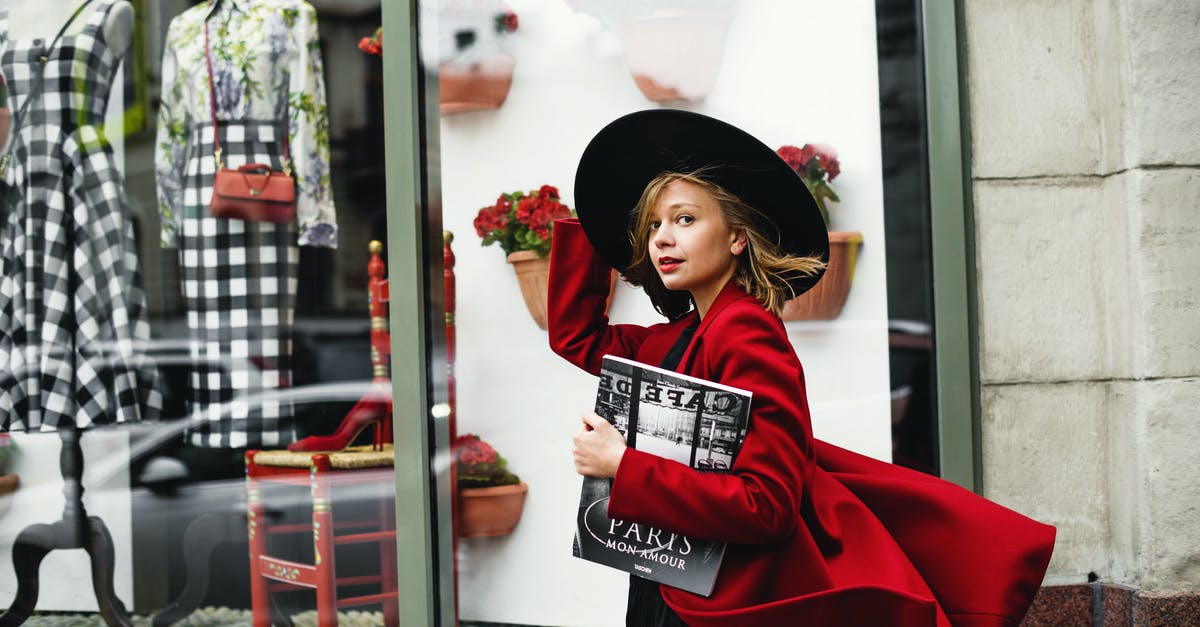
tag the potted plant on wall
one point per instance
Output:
(490, 497)
(474, 70)
(5, 115)
(675, 52)
(673, 49)
(817, 165)
(522, 223)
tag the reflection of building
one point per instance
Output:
(614, 407)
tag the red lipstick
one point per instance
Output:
(668, 264)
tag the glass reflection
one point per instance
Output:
(176, 342)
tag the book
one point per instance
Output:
(695, 422)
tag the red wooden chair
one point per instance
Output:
(327, 467)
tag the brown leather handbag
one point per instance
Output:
(253, 192)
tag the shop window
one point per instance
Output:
(166, 334)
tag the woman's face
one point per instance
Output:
(691, 247)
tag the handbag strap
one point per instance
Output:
(36, 91)
(212, 108)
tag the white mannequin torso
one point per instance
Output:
(41, 19)
(28, 20)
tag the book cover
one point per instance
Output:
(696, 422)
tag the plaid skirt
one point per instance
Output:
(239, 286)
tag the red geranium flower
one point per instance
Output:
(478, 464)
(506, 22)
(522, 220)
(817, 165)
(373, 44)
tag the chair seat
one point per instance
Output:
(365, 456)
(329, 479)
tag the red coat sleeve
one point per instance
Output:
(579, 285)
(759, 501)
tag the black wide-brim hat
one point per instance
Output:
(627, 154)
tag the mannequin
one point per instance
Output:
(43, 18)
(90, 191)
(240, 278)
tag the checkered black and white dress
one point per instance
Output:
(240, 278)
(239, 282)
(73, 327)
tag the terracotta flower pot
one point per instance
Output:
(5, 125)
(475, 86)
(485, 512)
(675, 54)
(533, 275)
(825, 301)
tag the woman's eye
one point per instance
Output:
(654, 225)
(685, 219)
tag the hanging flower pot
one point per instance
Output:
(474, 70)
(817, 165)
(825, 300)
(675, 53)
(487, 512)
(5, 125)
(522, 223)
(533, 275)
(475, 86)
(490, 497)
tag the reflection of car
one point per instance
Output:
(723, 445)
(188, 502)
(189, 512)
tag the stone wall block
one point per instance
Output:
(1052, 304)
(1168, 258)
(1168, 552)
(1044, 456)
(1035, 103)
(1163, 39)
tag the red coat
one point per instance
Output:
(818, 535)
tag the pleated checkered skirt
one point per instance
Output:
(239, 286)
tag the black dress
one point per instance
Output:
(646, 607)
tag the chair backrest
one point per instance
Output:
(378, 296)
(377, 299)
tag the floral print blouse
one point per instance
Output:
(266, 63)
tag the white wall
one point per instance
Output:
(793, 72)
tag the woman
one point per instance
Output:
(721, 232)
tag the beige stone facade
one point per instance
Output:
(1085, 157)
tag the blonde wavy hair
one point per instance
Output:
(763, 270)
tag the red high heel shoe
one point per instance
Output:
(373, 409)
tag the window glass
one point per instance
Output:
(190, 198)
(906, 222)
(523, 86)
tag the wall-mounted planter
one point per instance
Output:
(675, 54)
(475, 86)
(5, 124)
(825, 300)
(533, 275)
(488, 512)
